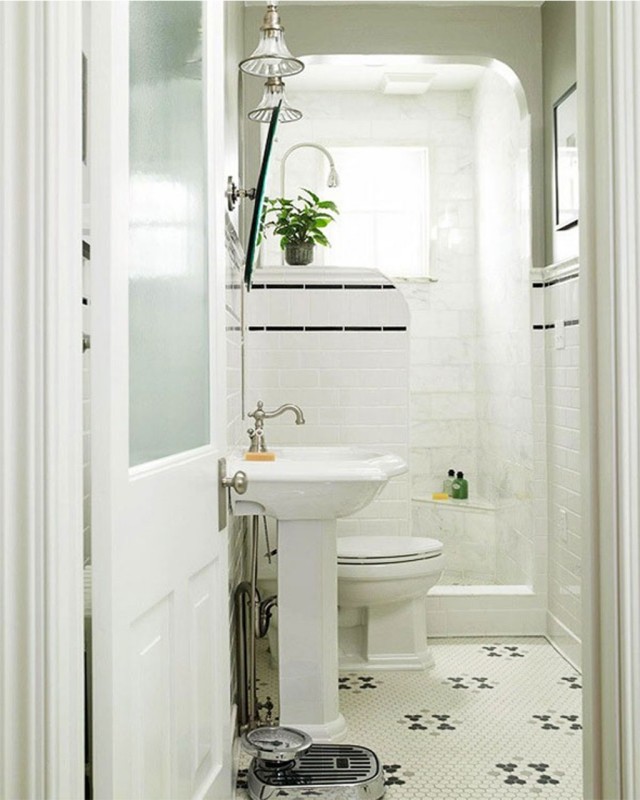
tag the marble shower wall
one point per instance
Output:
(442, 379)
(504, 400)
(470, 343)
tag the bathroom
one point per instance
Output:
(457, 363)
(233, 420)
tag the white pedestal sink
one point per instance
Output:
(307, 489)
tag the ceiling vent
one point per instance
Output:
(406, 83)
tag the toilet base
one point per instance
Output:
(389, 636)
(416, 662)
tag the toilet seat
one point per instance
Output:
(370, 550)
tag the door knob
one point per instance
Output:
(238, 482)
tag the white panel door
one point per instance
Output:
(160, 610)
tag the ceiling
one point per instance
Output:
(366, 74)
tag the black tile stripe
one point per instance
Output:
(323, 328)
(321, 286)
(554, 281)
(86, 249)
(563, 279)
(343, 328)
(550, 325)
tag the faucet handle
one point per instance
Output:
(258, 414)
(257, 440)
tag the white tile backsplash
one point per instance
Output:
(351, 384)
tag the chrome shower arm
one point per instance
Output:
(333, 174)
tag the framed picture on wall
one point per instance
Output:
(565, 141)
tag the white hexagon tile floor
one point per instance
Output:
(494, 718)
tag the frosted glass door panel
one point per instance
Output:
(168, 281)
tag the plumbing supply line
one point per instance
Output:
(253, 616)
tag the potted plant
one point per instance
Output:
(299, 223)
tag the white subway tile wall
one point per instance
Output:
(562, 352)
(351, 379)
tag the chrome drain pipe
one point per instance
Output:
(253, 616)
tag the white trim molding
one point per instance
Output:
(41, 678)
(609, 135)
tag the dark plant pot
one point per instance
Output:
(299, 255)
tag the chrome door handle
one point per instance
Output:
(238, 482)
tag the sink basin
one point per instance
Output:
(312, 482)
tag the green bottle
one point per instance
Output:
(460, 487)
(448, 481)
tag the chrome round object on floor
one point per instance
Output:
(285, 760)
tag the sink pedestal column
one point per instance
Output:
(308, 628)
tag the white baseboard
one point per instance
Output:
(564, 641)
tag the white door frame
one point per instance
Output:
(41, 704)
(609, 128)
(41, 603)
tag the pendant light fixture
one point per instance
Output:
(274, 94)
(271, 58)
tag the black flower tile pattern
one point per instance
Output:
(433, 723)
(395, 775)
(571, 681)
(516, 773)
(511, 728)
(241, 779)
(358, 683)
(473, 682)
(503, 651)
(552, 721)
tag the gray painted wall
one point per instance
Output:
(510, 34)
(558, 73)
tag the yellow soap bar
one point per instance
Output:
(259, 456)
(440, 496)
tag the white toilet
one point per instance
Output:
(382, 583)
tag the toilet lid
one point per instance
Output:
(386, 549)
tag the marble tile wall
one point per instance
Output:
(471, 367)
(503, 370)
(468, 533)
(443, 429)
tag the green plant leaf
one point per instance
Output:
(328, 204)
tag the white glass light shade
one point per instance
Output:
(273, 94)
(272, 57)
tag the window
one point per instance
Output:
(383, 199)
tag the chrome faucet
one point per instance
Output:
(258, 444)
